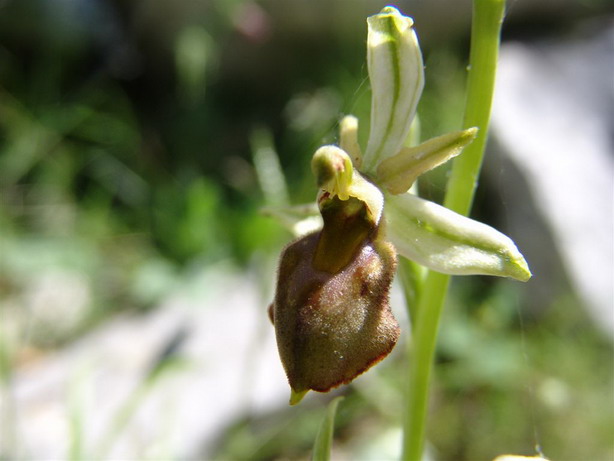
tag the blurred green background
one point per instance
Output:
(127, 133)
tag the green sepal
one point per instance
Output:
(398, 173)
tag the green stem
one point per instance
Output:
(485, 37)
(421, 358)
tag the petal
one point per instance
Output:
(398, 173)
(348, 139)
(396, 73)
(447, 242)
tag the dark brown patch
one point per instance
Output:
(364, 288)
(271, 311)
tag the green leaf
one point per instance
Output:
(324, 439)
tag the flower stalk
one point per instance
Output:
(485, 39)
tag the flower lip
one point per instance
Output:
(330, 328)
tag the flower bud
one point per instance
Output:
(331, 327)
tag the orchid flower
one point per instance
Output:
(331, 310)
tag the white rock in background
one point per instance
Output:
(228, 366)
(554, 116)
(91, 393)
(52, 295)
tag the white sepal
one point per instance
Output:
(396, 73)
(448, 242)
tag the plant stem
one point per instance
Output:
(485, 38)
(421, 359)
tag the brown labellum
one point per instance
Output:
(331, 327)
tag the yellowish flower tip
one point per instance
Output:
(296, 397)
(388, 24)
(392, 12)
(471, 133)
(521, 270)
(333, 170)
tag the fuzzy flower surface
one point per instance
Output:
(331, 311)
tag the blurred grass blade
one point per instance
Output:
(268, 169)
(194, 55)
(298, 219)
(324, 439)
